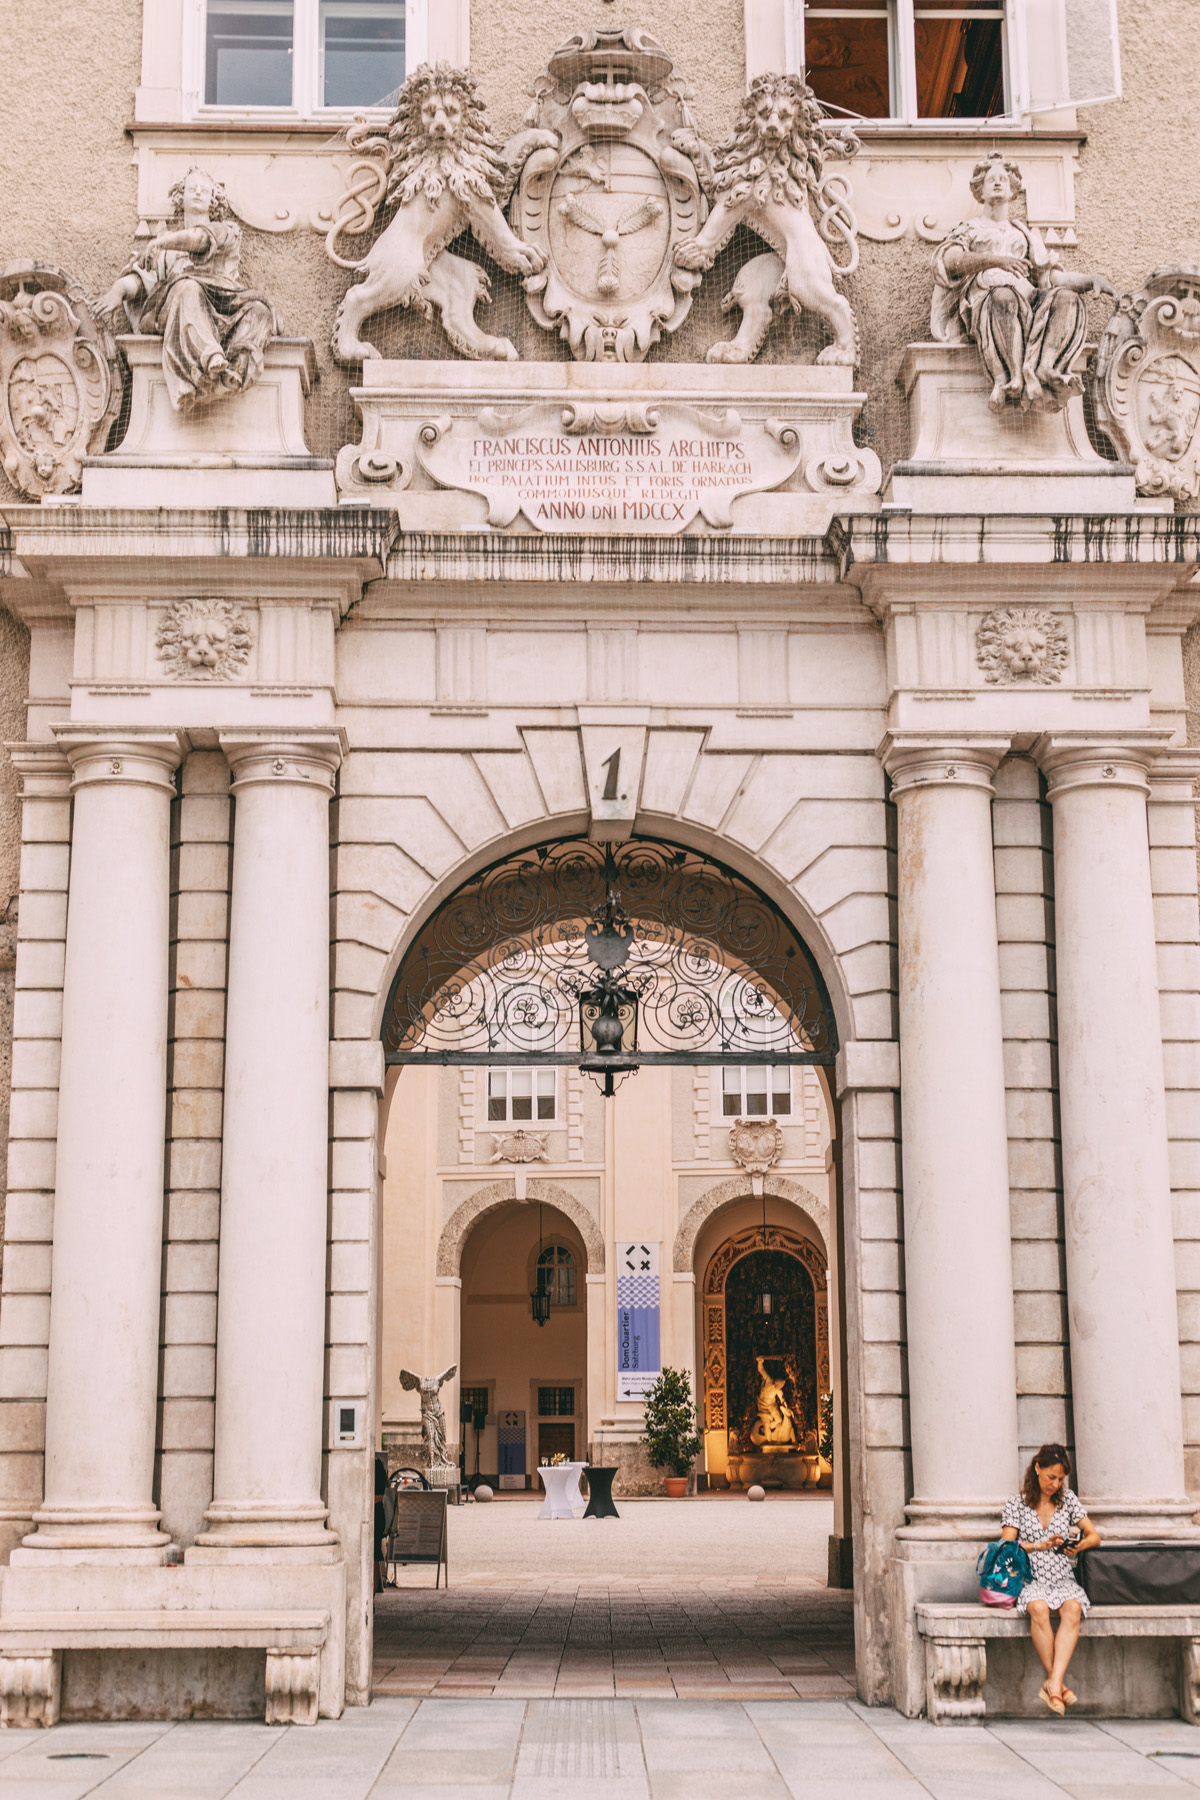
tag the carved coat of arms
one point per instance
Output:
(1147, 383)
(609, 204)
(58, 388)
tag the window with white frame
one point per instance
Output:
(755, 1091)
(303, 56)
(520, 1095)
(909, 59)
(958, 61)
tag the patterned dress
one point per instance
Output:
(1053, 1573)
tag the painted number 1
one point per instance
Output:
(613, 765)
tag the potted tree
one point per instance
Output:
(670, 1433)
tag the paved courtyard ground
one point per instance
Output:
(704, 1598)
(408, 1749)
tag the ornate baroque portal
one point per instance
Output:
(754, 1239)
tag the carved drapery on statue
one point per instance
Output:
(996, 283)
(186, 287)
(1147, 383)
(60, 388)
(439, 1469)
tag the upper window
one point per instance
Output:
(556, 1275)
(521, 1094)
(910, 59)
(306, 55)
(756, 1091)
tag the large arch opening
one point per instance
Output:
(511, 1171)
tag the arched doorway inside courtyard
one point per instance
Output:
(657, 974)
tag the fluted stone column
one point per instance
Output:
(1124, 1337)
(108, 1200)
(271, 1277)
(957, 1240)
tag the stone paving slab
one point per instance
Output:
(606, 1749)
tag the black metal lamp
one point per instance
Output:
(539, 1299)
(766, 1300)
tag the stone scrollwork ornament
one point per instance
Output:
(440, 168)
(769, 173)
(1147, 383)
(1021, 643)
(204, 640)
(60, 390)
(756, 1145)
(610, 198)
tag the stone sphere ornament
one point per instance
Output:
(483, 1493)
(756, 1493)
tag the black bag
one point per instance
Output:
(1141, 1574)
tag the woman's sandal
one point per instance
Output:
(1069, 1698)
(1053, 1701)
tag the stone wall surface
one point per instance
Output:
(14, 684)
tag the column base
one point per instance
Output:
(937, 1520)
(115, 1535)
(1116, 1517)
(230, 1527)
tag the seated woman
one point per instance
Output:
(1048, 1521)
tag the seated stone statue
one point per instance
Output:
(997, 284)
(186, 284)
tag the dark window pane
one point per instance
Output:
(496, 1107)
(522, 1106)
(960, 61)
(545, 1106)
(848, 60)
(556, 1402)
(781, 1101)
(756, 1104)
(248, 53)
(362, 49)
(732, 1105)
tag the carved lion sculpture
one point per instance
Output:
(444, 172)
(762, 175)
(1021, 644)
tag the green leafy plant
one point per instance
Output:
(826, 1440)
(670, 1434)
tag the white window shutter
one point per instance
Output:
(1072, 55)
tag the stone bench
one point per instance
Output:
(956, 1638)
(31, 1647)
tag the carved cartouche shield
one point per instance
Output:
(609, 205)
(59, 391)
(1147, 383)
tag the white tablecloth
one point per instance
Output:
(561, 1482)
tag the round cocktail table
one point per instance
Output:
(600, 1504)
(561, 1482)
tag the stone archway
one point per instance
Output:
(725, 1193)
(716, 1355)
(504, 1193)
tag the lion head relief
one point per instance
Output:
(438, 139)
(1017, 643)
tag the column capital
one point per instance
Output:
(100, 756)
(916, 759)
(1073, 760)
(275, 758)
(43, 771)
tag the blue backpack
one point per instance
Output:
(1003, 1570)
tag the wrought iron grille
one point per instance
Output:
(499, 971)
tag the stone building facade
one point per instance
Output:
(576, 452)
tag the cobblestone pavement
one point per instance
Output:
(516, 1749)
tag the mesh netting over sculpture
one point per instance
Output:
(500, 969)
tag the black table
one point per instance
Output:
(600, 1500)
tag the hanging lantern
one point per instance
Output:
(539, 1299)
